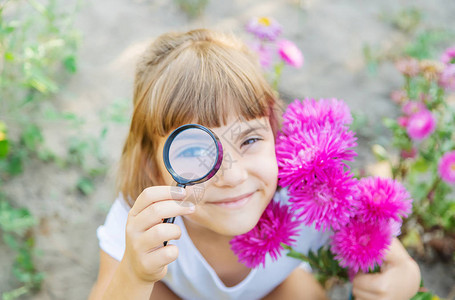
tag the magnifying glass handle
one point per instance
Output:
(168, 220)
(171, 220)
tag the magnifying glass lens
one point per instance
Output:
(192, 154)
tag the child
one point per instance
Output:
(211, 79)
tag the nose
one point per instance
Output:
(232, 172)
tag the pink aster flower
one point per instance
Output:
(448, 57)
(409, 153)
(383, 199)
(277, 225)
(403, 121)
(264, 28)
(362, 245)
(425, 98)
(421, 125)
(290, 53)
(303, 155)
(408, 66)
(412, 107)
(399, 97)
(447, 78)
(446, 167)
(328, 202)
(395, 227)
(300, 114)
(265, 53)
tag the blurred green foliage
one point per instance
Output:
(193, 8)
(417, 39)
(15, 225)
(38, 54)
(434, 206)
(406, 19)
(37, 50)
(434, 203)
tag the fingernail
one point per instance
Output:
(176, 190)
(191, 206)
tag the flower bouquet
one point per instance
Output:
(362, 215)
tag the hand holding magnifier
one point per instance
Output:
(192, 154)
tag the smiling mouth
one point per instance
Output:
(233, 202)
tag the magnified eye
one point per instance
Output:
(193, 152)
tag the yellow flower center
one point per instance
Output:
(264, 21)
(452, 167)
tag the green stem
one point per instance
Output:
(278, 68)
(433, 186)
(407, 85)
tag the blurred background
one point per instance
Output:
(66, 71)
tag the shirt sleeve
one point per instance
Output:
(111, 235)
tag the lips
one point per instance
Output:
(233, 202)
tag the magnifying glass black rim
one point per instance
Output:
(183, 181)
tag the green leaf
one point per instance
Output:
(4, 148)
(32, 137)
(16, 293)
(10, 241)
(15, 164)
(380, 152)
(424, 296)
(85, 185)
(390, 123)
(15, 220)
(97, 171)
(73, 118)
(411, 239)
(425, 43)
(46, 155)
(51, 114)
(117, 112)
(70, 64)
(9, 56)
(103, 133)
(312, 256)
(421, 165)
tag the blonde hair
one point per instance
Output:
(199, 76)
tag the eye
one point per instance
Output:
(251, 141)
(193, 152)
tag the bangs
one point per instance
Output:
(207, 83)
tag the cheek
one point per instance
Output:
(268, 165)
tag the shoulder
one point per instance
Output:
(111, 234)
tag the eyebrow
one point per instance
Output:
(247, 131)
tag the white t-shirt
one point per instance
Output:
(191, 277)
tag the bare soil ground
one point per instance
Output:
(331, 35)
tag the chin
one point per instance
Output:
(238, 227)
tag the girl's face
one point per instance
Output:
(231, 202)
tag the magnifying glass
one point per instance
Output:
(192, 154)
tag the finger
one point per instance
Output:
(161, 257)
(156, 212)
(364, 295)
(154, 194)
(155, 236)
(373, 283)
